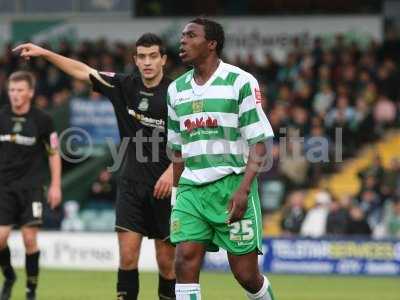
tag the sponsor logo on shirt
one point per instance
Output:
(146, 94)
(18, 139)
(200, 123)
(147, 121)
(182, 99)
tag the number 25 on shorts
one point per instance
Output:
(241, 231)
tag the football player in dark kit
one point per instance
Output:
(143, 203)
(27, 137)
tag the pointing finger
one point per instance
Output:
(19, 47)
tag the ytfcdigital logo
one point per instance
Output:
(76, 146)
(72, 142)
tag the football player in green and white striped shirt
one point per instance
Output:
(217, 126)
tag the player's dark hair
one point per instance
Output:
(213, 31)
(23, 76)
(150, 39)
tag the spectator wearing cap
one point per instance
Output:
(314, 224)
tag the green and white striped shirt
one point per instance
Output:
(214, 124)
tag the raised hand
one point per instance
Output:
(29, 50)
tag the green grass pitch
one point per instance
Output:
(88, 285)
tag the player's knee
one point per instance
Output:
(166, 265)
(187, 264)
(30, 243)
(3, 241)
(4, 234)
(128, 259)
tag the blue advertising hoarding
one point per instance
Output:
(322, 256)
(96, 118)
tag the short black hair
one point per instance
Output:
(213, 32)
(26, 76)
(150, 39)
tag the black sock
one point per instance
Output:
(5, 263)
(128, 284)
(32, 271)
(166, 288)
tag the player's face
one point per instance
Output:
(149, 61)
(194, 46)
(19, 93)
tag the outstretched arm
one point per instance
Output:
(74, 68)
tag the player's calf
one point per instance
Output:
(246, 271)
(7, 289)
(189, 257)
(166, 279)
(165, 255)
(8, 272)
(128, 284)
(29, 235)
(256, 285)
(128, 275)
(166, 288)
(251, 282)
(5, 263)
(32, 274)
(265, 293)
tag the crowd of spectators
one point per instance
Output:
(309, 96)
(374, 211)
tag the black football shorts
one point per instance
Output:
(21, 206)
(137, 210)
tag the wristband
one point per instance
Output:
(173, 195)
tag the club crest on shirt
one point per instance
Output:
(175, 225)
(197, 106)
(144, 104)
(17, 127)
